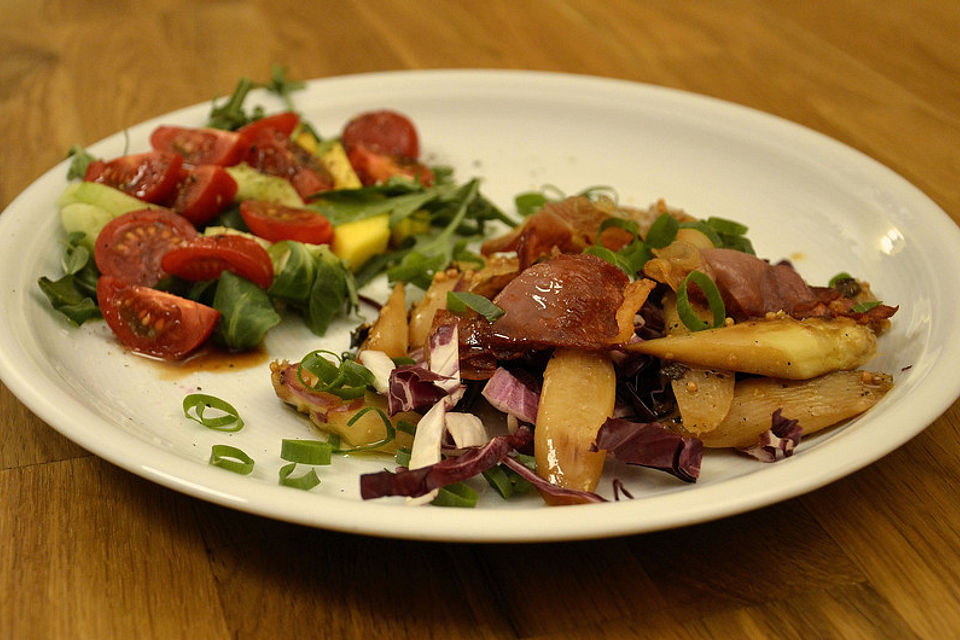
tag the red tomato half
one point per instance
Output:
(130, 247)
(276, 154)
(207, 257)
(373, 168)
(201, 146)
(276, 222)
(150, 176)
(154, 322)
(204, 192)
(284, 122)
(385, 132)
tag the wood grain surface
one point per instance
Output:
(90, 551)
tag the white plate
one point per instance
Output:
(805, 197)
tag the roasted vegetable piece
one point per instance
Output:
(781, 347)
(703, 397)
(579, 389)
(331, 414)
(389, 333)
(422, 313)
(816, 404)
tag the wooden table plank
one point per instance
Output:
(91, 552)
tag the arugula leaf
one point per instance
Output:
(283, 87)
(80, 159)
(433, 254)
(230, 115)
(246, 312)
(350, 205)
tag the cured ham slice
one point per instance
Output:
(576, 301)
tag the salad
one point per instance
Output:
(585, 330)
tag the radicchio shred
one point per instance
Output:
(650, 444)
(779, 441)
(413, 388)
(417, 482)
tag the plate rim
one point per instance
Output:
(175, 472)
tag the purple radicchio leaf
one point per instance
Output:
(619, 488)
(650, 444)
(777, 442)
(571, 495)
(511, 395)
(413, 388)
(414, 483)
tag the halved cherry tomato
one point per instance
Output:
(385, 132)
(154, 322)
(204, 192)
(150, 176)
(207, 257)
(276, 154)
(201, 146)
(276, 222)
(284, 122)
(373, 168)
(131, 246)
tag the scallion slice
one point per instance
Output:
(662, 232)
(497, 478)
(685, 309)
(458, 301)
(837, 279)
(402, 457)
(231, 459)
(306, 451)
(346, 379)
(529, 202)
(304, 482)
(456, 495)
(228, 420)
(723, 225)
(613, 258)
(620, 223)
(863, 307)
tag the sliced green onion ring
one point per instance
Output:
(457, 494)
(863, 307)
(840, 277)
(613, 258)
(724, 225)
(685, 309)
(231, 459)
(306, 451)
(346, 379)
(402, 456)
(200, 402)
(458, 301)
(303, 482)
(620, 223)
(662, 232)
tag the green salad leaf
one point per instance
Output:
(246, 312)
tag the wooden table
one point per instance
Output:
(90, 551)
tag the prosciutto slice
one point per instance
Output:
(752, 287)
(569, 225)
(571, 300)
